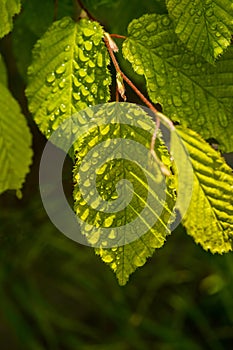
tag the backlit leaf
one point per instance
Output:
(204, 26)
(190, 90)
(15, 142)
(124, 223)
(209, 219)
(68, 72)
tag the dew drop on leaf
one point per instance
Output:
(63, 108)
(82, 72)
(107, 258)
(61, 69)
(88, 45)
(50, 78)
(62, 83)
(88, 32)
(166, 21)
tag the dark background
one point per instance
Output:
(56, 294)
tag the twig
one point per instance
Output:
(55, 10)
(158, 115)
(118, 36)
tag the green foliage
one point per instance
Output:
(123, 258)
(205, 27)
(69, 72)
(190, 90)
(8, 9)
(14, 158)
(209, 218)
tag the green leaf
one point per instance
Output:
(8, 9)
(68, 73)
(15, 142)
(190, 90)
(204, 26)
(3, 72)
(209, 219)
(125, 223)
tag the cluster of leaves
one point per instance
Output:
(184, 53)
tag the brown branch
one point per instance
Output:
(159, 116)
(118, 36)
(135, 89)
(55, 10)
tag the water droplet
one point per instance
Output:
(94, 89)
(76, 66)
(57, 112)
(81, 56)
(76, 82)
(50, 78)
(217, 34)
(166, 21)
(64, 23)
(107, 258)
(67, 48)
(88, 32)
(82, 72)
(55, 89)
(88, 45)
(62, 83)
(108, 221)
(61, 69)
(63, 108)
(89, 79)
(96, 39)
(91, 64)
(84, 91)
(112, 234)
(52, 117)
(76, 96)
(87, 183)
(100, 60)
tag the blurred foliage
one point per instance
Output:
(56, 294)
